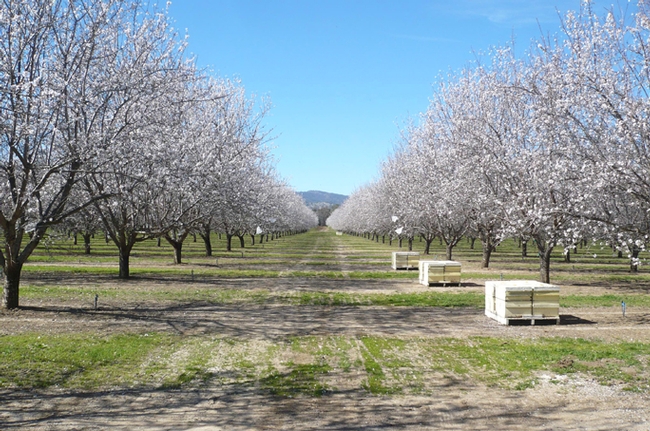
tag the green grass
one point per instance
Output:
(173, 294)
(255, 296)
(302, 379)
(212, 295)
(514, 363)
(365, 259)
(386, 365)
(75, 360)
(135, 271)
(607, 300)
(427, 299)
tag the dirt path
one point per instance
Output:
(578, 405)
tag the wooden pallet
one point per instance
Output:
(517, 300)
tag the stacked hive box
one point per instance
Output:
(421, 269)
(439, 271)
(405, 259)
(506, 301)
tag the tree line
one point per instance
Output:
(107, 124)
(552, 148)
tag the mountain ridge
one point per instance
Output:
(313, 197)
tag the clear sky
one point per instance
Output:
(344, 76)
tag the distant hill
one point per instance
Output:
(316, 197)
(322, 203)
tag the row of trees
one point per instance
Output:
(553, 148)
(106, 124)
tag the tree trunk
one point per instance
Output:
(228, 242)
(471, 245)
(567, 256)
(410, 244)
(176, 241)
(427, 245)
(11, 285)
(383, 239)
(524, 249)
(634, 267)
(125, 254)
(205, 236)
(252, 239)
(545, 268)
(449, 248)
(87, 242)
(75, 238)
(400, 242)
(544, 261)
(487, 251)
(241, 241)
(178, 257)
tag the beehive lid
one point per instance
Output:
(443, 263)
(524, 285)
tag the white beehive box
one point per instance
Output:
(405, 259)
(439, 271)
(421, 270)
(510, 300)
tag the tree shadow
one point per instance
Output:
(243, 406)
(264, 321)
(568, 319)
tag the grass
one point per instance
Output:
(83, 361)
(364, 259)
(257, 296)
(428, 299)
(174, 294)
(221, 296)
(301, 379)
(178, 271)
(387, 366)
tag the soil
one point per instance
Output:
(556, 402)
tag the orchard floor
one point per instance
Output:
(554, 403)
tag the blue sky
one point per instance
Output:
(345, 76)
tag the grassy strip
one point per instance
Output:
(36, 270)
(178, 294)
(605, 300)
(515, 363)
(76, 361)
(410, 275)
(261, 296)
(257, 296)
(427, 299)
(301, 365)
